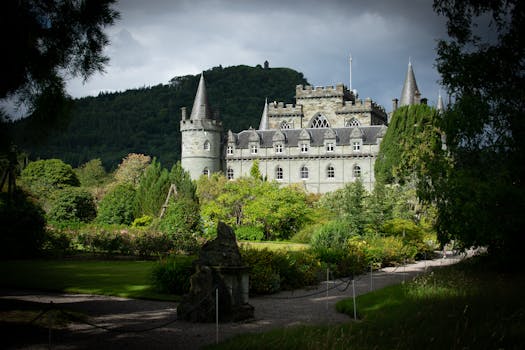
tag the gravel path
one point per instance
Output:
(313, 306)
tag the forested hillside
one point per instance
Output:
(146, 120)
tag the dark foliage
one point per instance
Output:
(146, 120)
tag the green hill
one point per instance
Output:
(146, 120)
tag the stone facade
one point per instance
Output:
(327, 139)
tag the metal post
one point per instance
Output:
(353, 295)
(371, 278)
(217, 316)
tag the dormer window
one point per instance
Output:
(254, 149)
(304, 147)
(330, 147)
(278, 148)
(356, 146)
(207, 145)
(229, 150)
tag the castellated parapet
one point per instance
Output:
(309, 92)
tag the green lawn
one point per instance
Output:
(120, 278)
(467, 306)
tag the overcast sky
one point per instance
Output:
(157, 40)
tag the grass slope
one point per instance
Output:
(467, 306)
(130, 279)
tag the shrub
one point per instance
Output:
(117, 206)
(23, 226)
(58, 241)
(272, 271)
(388, 251)
(72, 204)
(249, 233)
(181, 223)
(44, 176)
(143, 221)
(332, 235)
(172, 274)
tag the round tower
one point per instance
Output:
(201, 137)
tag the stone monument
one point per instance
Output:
(219, 266)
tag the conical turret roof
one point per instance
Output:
(264, 118)
(410, 91)
(200, 108)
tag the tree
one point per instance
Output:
(43, 177)
(118, 205)
(152, 190)
(92, 173)
(131, 168)
(48, 42)
(72, 204)
(480, 196)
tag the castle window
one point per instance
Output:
(279, 173)
(206, 145)
(229, 150)
(253, 149)
(304, 172)
(357, 171)
(278, 148)
(352, 123)
(320, 122)
(229, 174)
(329, 147)
(304, 148)
(330, 172)
(206, 172)
(285, 125)
(356, 146)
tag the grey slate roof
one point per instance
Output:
(370, 135)
(410, 89)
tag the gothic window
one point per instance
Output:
(229, 150)
(352, 123)
(229, 174)
(206, 172)
(206, 145)
(304, 148)
(304, 172)
(253, 149)
(278, 148)
(357, 171)
(356, 146)
(320, 122)
(285, 125)
(330, 172)
(329, 147)
(279, 173)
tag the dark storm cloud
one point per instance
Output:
(160, 39)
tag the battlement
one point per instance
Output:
(278, 109)
(201, 124)
(308, 91)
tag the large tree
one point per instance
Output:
(47, 41)
(481, 195)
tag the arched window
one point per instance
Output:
(304, 172)
(229, 174)
(279, 173)
(206, 172)
(285, 125)
(357, 171)
(206, 145)
(352, 123)
(319, 122)
(330, 172)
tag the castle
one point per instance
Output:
(326, 140)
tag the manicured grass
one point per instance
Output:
(467, 306)
(130, 279)
(291, 246)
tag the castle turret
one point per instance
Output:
(410, 94)
(201, 137)
(264, 118)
